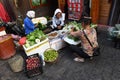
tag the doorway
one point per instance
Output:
(114, 17)
(104, 12)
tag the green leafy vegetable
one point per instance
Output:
(41, 26)
(93, 25)
(50, 55)
(73, 38)
(34, 37)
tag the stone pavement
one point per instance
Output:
(103, 67)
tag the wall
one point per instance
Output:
(95, 11)
(40, 11)
(24, 5)
(104, 11)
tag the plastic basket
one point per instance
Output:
(31, 70)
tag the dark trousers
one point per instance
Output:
(55, 28)
(116, 42)
(79, 51)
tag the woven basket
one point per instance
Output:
(54, 61)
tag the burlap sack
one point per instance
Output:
(16, 63)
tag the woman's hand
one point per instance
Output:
(36, 25)
(59, 27)
(72, 29)
(72, 33)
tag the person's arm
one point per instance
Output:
(95, 35)
(95, 39)
(75, 33)
(29, 24)
(53, 22)
(62, 22)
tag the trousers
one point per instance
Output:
(79, 51)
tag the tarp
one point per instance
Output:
(3, 14)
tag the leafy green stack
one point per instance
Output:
(77, 26)
(93, 25)
(73, 38)
(50, 55)
(34, 38)
(74, 24)
(41, 26)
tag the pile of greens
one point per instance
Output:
(93, 25)
(34, 37)
(74, 24)
(73, 38)
(41, 26)
(77, 26)
(50, 55)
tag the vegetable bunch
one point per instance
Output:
(34, 37)
(50, 55)
(73, 38)
(41, 26)
(77, 26)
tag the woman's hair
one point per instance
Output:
(86, 20)
(59, 13)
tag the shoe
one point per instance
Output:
(79, 59)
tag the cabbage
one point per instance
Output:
(34, 37)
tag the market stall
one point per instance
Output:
(38, 41)
(47, 45)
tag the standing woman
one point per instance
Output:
(57, 20)
(87, 50)
(28, 24)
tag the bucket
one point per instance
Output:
(7, 47)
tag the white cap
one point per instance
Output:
(31, 14)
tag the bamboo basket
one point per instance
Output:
(55, 60)
(7, 47)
